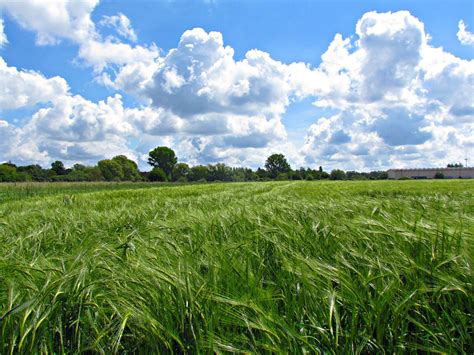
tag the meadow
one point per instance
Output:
(273, 267)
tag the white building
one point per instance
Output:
(429, 173)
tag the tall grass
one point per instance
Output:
(299, 267)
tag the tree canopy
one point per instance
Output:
(163, 158)
(277, 164)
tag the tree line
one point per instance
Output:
(166, 168)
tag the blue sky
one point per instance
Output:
(291, 94)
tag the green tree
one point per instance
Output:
(58, 167)
(180, 172)
(36, 172)
(129, 168)
(337, 174)
(157, 174)
(219, 172)
(111, 170)
(78, 167)
(163, 158)
(199, 173)
(9, 173)
(261, 174)
(276, 164)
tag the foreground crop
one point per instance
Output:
(260, 267)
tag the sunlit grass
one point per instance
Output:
(289, 267)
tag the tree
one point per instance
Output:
(337, 174)
(111, 170)
(157, 174)
(219, 172)
(129, 168)
(439, 175)
(8, 173)
(261, 174)
(36, 172)
(199, 173)
(180, 172)
(276, 164)
(78, 167)
(58, 167)
(163, 158)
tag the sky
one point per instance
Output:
(353, 85)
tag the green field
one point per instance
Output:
(277, 267)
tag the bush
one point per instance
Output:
(439, 175)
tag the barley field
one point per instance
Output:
(275, 267)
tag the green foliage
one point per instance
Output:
(111, 170)
(36, 172)
(199, 173)
(9, 173)
(180, 172)
(276, 164)
(164, 158)
(58, 167)
(119, 168)
(129, 168)
(277, 267)
(157, 174)
(282, 176)
(439, 175)
(219, 172)
(337, 174)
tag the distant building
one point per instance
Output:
(429, 173)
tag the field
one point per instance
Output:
(277, 267)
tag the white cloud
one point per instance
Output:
(101, 54)
(201, 76)
(54, 20)
(20, 88)
(3, 36)
(75, 119)
(72, 129)
(121, 24)
(200, 93)
(391, 85)
(464, 36)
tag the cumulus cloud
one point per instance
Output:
(73, 129)
(390, 85)
(201, 76)
(22, 88)
(464, 36)
(100, 54)
(121, 24)
(54, 20)
(3, 36)
(200, 90)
